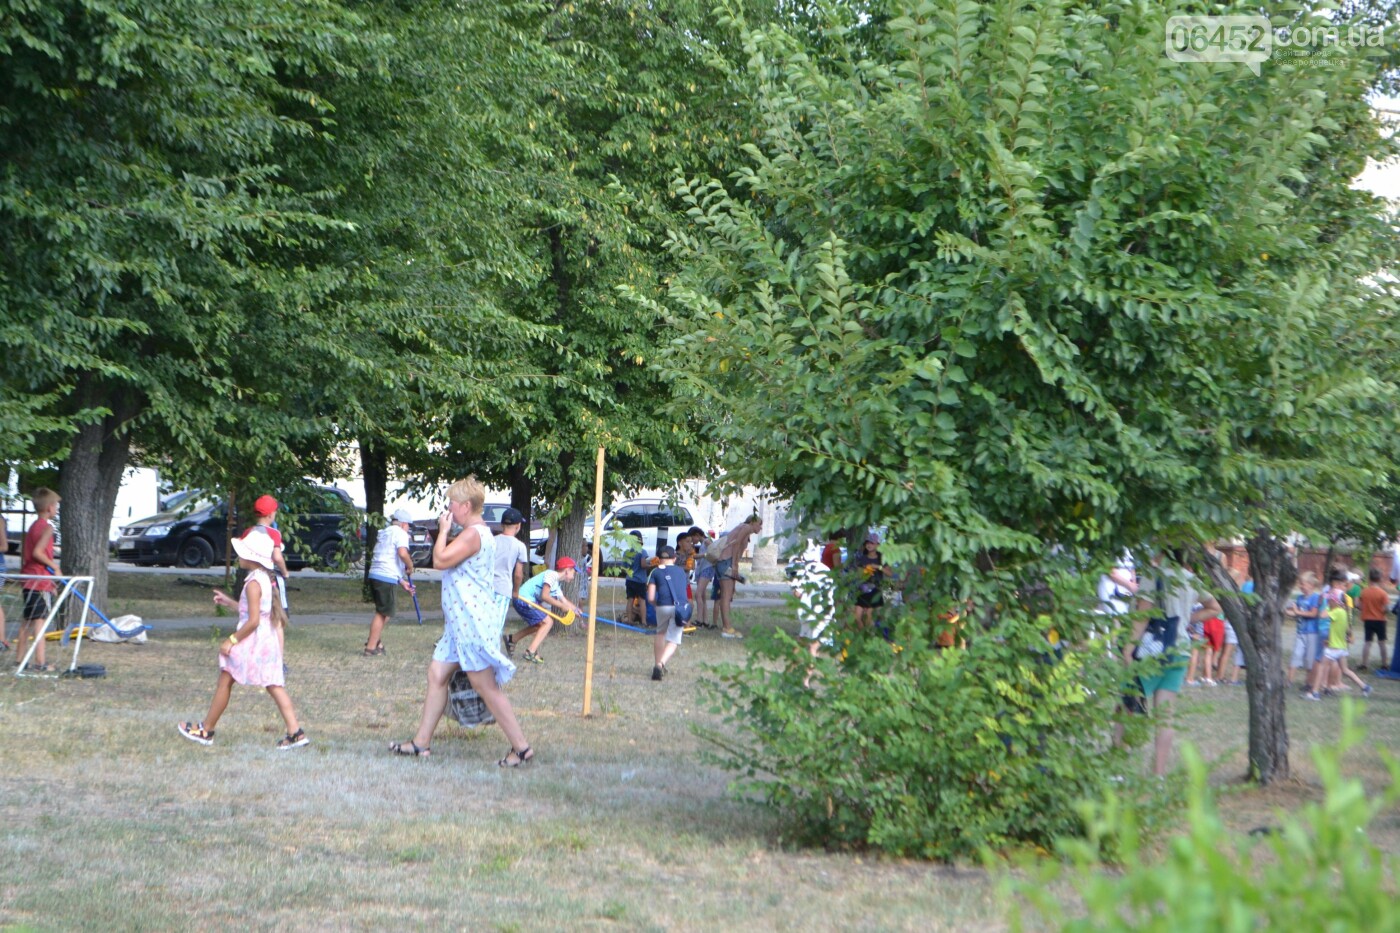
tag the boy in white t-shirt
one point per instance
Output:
(391, 567)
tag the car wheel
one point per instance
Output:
(330, 553)
(195, 552)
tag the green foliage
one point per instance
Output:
(1316, 870)
(646, 90)
(140, 184)
(927, 753)
(1000, 279)
(998, 275)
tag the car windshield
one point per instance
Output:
(187, 500)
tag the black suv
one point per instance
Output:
(194, 535)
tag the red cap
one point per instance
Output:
(565, 563)
(264, 505)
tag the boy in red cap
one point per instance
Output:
(542, 590)
(265, 513)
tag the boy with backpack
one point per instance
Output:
(666, 593)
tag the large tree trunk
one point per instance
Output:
(569, 542)
(374, 467)
(88, 483)
(1259, 626)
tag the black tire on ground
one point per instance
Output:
(329, 553)
(195, 552)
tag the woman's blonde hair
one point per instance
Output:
(468, 490)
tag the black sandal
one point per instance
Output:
(411, 751)
(521, 758)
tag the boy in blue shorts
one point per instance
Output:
(543, 589)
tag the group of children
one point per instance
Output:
(1323, 635)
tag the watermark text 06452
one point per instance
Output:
(1250, 39)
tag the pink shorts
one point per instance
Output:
(1215, 633)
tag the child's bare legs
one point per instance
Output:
(1365, 650)
(284, 706)
(542, 632)
(700, 600)
(864, 617)
(376, 630)
(29, 630)
(813, 649)
(1344, 671)
(1166, 734)
(222, 691)
(1210, 663)
(484, 683)
(1227, 657)
(1194, 663)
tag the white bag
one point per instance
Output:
(112, 632)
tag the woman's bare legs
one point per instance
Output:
(484, 683)
(439, 677)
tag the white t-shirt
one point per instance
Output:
(1115, 600)
(386, 565)
(509, 552)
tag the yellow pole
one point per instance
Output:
(593, 587)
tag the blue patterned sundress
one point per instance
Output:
(474, 614)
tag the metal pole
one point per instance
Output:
(593, 586)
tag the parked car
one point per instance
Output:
(658, 521)
(194, 534)
(423, 532)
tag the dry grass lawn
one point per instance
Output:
(109, 819)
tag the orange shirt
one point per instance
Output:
(1374, 604)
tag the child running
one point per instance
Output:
(542, 590)
(252, 655)
(1334, 657)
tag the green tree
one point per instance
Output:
(1002, 280)
(645, 90)
(434, 156)
(140, 190)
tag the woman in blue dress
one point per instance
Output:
(473, 616)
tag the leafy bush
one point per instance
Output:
(921, 752)
(1316, 871)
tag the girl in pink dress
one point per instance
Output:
(252, 655)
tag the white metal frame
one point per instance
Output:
(70, 585)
